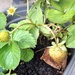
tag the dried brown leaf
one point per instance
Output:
(46, 57)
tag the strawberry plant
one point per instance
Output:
(46, 17)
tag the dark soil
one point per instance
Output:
(37, 66)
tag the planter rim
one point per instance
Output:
(14, 20)
(70, 66)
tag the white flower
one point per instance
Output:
(11, 10)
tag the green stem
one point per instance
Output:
(52, 34)
(18, 27)
(39, 50)
(51, 24)
(15, 29)
(9, 71)
(45, 6)
(54, 37)
(19, 15)
(27, 6)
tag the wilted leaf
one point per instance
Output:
(46, 57)
(27, 54)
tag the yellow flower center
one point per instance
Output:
(11, 10)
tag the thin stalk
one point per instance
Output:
(40, 50)
(19, 15)
(9, 71)
(54, 37)
(18, 27)
(27, 6)
(15, 29)
(51, 24)
(45, 6)
(52, 34)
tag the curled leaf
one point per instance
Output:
(46, 57)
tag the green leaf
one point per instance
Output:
(56, 6)
(73, 6)
(70, 43)
(26, 25)
(7, 74)
(64, 38)
(59, 17)
(1, 69)
(66, 4)
(59, 34)
(35, 32)
(13, 25)
(24, 22)
(27, 54)
(35, 13)
(1, 73)
(71, 30)
(24, 39)
(2, 44)
(45, 30)
(10, 56)
(2, 20)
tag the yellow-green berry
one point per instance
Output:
(4, 36)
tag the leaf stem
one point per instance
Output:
(52, 34)
(15, 29)
(19, 15)
(45, 6)
(18, 27)
(9, 71)
(54, 37)
(40, 50)
(27, 6)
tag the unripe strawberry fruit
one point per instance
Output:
(4, 36)
(58, 53)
